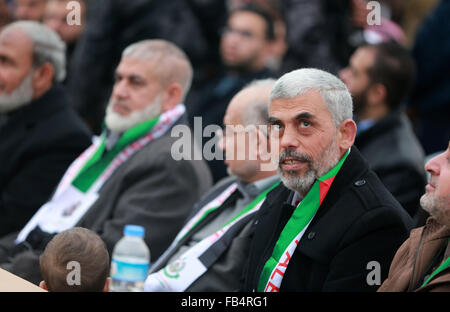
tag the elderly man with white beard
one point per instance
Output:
(40, 135)
(331, 225)
(128, 175)
(422, 263)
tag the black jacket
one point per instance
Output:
(358, 222)
(150, 189)
(37, 144)
(394, 153)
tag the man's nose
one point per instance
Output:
(432, 166)
(220, 140)
(289, 139)
(120, 89)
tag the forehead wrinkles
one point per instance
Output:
(290, 108)
(136, 67)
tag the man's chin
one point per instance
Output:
(301, 185)
(426, 202)
(116, 122)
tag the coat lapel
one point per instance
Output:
(431, 240)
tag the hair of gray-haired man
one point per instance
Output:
(257, 112)
(47, 46)
(173, 63)
(333, 91)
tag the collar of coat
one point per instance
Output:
(427, 241)
(349, 173)
(39, 109)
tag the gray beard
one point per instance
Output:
(302, 184)
(437, 207)
(118, 123)
(20, 96)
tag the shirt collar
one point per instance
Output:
(255, 188)
(365, 124)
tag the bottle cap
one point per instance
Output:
(134, 230)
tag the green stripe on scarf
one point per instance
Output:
(248, 207)
(442, 267)
(253, 203)
(95, 166)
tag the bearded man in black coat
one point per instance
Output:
(40, 135)
(331, 225)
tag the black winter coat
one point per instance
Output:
(394, 153)
(358, 222)
(37, 144)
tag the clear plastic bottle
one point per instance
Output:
(130, 261)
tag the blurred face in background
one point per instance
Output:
(356, 77)
(29, 9)
(55, 18)
(137, 95)
(244, 45)
(16, 75)
(236, 141)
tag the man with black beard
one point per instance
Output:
(245, 47)
(40, 135)
(379, 77)
(331, 219)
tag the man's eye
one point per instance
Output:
(305, 124)
(136, 82)
(4, 60)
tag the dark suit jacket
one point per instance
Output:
(395, 154)
(150, 189)
(37, 144)
(225, 273)
(358, 222)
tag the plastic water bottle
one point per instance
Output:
(130, 261)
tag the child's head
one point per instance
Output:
(75, 260)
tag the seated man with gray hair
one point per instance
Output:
(40, 134)
(331, 225)
(209, 252)
(129, 174)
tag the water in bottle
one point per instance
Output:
(130, 261)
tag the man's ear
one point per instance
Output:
(346, 134)
(173, 95)
(43, 285)
(42, 79)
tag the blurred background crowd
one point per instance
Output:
(321, 34)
